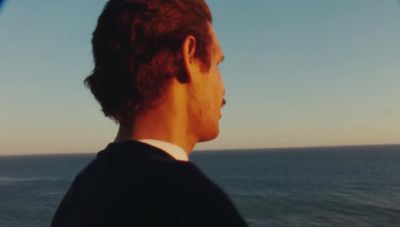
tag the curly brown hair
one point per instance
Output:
(137, 50)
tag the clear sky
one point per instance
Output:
(297, 73)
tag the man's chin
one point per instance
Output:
(210, 136)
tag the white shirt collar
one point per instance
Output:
(174, 150)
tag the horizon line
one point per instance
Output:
(217, 150)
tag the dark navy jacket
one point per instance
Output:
(134, 184)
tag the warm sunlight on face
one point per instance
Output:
(209, 96)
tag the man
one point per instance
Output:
(156, 74)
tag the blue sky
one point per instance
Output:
(297, 73)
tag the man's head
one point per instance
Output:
(137, 50)
(140, 46)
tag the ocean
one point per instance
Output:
(333, 186)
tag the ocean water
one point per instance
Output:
(338, 186)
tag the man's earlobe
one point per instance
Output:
(189, 61)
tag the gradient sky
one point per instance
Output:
(297, 73)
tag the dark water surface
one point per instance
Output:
(341, 186)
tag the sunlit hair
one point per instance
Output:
(137, 50)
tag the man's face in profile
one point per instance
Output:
(208, 97)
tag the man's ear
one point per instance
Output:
(190, 63)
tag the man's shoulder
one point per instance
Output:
(145, 170)
(142, 182)
(139, 166)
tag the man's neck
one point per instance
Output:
(127, 133)
(169, 126)
(167, 120)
